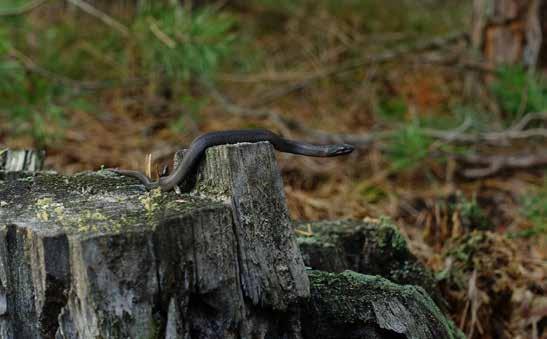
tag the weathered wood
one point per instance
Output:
(21, 160)
(94, 255)
(248, 179)
(351, 305)
(372, 246)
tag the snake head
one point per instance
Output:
(341, 149)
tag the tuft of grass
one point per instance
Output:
(392, 109)
(408, 147)
(519, 92)
(472, 215)
(534, 208)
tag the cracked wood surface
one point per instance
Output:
(95, 255)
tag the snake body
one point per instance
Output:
(201, 143)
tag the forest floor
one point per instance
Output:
(429, 120)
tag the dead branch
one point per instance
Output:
(527, 119)
(31, 66)
(495, 163)
(161, 35)
(457, 63)
(23, 9)
(286, 124)
(457, 135)
(515, 132)
(105, 18)
(435, 43)
(371, 59)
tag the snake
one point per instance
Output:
(200, 144)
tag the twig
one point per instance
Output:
(456, 135)
(29, 6)
(105, 18)
(301, 80)
(458, 64)
(497, 163)
(434, 43)
(383, 57)
(288, 124)
(32, 66)
(161, 35)
(491, 138)
(528, 118)
(515, 132)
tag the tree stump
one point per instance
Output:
(372, 247)
(94, 255)
(351, 305)
(21, 160)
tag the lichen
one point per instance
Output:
(151, 201)
(348, 298)
(91, 203)
(46, 208)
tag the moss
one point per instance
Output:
(314, 241)
(390, 237)
(151, 201)
(371, 246)
(353, 300)
(92, 203)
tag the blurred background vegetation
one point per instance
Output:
(450, 145)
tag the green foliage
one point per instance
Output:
(180, 43)
(393, 109)
(5, 43)
(519, 92)
(286, 6)
(372, 194)
(473, 216)
(169, 45)
(401, 15)
(26, 101)
(408, 147)
(534, 208)
(29, 106)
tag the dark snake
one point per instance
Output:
(201, 143)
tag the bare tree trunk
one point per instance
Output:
(510, 31)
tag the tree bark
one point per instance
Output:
(509, 31)
(543, 19)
